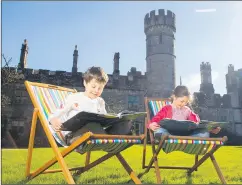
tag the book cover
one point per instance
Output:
(186, 127)
(82, 118)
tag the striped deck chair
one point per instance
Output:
(46, 98)
(168, 143)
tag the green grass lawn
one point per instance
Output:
(229, 159)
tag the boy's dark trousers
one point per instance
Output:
(121, 128)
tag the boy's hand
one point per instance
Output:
(154, 126)
(215, 130)
(56, 124)
(75, 106)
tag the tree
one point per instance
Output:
(9, 75)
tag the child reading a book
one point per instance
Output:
(94, 80)
(178, 111)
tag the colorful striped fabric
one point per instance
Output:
(49, 100)
(107, 145)
(103, 141)
(198, 147)
(155, 106)
(182, 141)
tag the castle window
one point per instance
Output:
(157, 40)
(18, 93)
(160, 39)
(149, 49)
(137, 129)
(130, 77)
(133, 102)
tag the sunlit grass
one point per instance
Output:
(111, 171)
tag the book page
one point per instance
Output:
(125, 116)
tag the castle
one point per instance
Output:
(215, 107)
(128, 91)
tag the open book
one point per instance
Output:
(125, 115)
(186, 127)
(82, 118)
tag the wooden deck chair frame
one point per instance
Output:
(156, 150)
(59, 155)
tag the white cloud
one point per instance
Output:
(193, 81)
(205, 10)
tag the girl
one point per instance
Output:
(178, 111)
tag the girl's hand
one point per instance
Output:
(154, 126)
(215, 130)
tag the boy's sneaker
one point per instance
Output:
(158, 137)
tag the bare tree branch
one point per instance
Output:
(6, 62)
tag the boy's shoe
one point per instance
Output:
(158, 137)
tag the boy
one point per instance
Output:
(94, 81)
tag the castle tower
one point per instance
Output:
(160, 56)
(23, 55)
(75, 59)
(231, 84)
(206, 85)
(116, 64)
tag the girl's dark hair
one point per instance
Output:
(181, 91)
(96, 73)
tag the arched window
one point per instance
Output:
(160, 39)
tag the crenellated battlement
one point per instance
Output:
(205, 66)
(63, 78)
(230, 68)
(167, 18)
(29, 71)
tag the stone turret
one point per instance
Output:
(233, 86)
(230, 68)
(160, 54)
(75, 60)
(206, 85)
(23, 55)
(116, 64)
(231, 82)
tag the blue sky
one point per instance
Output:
(99, 29)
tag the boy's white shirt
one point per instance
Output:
(86, 104)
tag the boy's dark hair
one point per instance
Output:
(181, 91)
(96, 73)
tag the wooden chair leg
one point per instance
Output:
(58, 155)
(31, 142)
(128, 169)
(154, 158)
(157, 170)
(145, 142)
(196, 160)
(54, 160)
(88, 157)
(217, 169)
(201, 161)
(81, 170)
